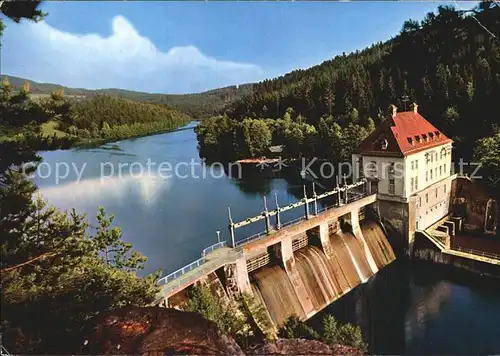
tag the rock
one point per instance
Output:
(154, 331)
(302, 347)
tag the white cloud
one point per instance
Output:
(125, 59)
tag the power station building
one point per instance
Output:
(408, 163)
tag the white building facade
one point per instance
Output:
(408, 162)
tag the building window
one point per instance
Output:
(436, 192)
(416, 164)
(391, 168)
(412, 188)
(435, 173)
(436, 156)
(412, 165)
(416, 183)
(445, 172)
(426, 198)
(426, 176)
(431, 173)
(392, 188)
(440, 171)
(372, 168)
(445, 188)
(420, 201)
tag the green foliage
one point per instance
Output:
(116, 252)
(455, 81)
(223, 138)
(332, 332)
(198, 106)
(59, 122)
(370, 125)
(487, 153)
(16, 10)
(294, 328)
(351, 335)
(21, 122)
(257, 313)
(228, 317)
(56, 272)
(55, 276)
(346, 334)
(216, 138)
(257, 136)
(108, 118)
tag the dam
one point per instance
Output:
(298, 267)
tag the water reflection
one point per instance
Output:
(401, 310)
(145, 189)
(420, 309)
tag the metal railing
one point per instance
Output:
(251, 238)
(477, 252)
(214, 247)
(261, 234)
(182, 271)
(293, 222)
(175, 275)
(204, 269)
(327, 207)
(356, 196)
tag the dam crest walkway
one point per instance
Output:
(345, 199)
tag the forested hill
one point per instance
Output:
(449, 64)
(197, 105)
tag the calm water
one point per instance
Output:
(169, 220)
(423, 309)
(401, 309)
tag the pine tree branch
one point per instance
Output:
(41, 257)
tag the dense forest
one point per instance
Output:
(57, 271)
(197, 105)
(112, 118)
(449, 64)
(224, 139)
(81, 120)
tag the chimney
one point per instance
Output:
(415, 108)
(393, 110)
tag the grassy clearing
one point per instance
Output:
(50, 128)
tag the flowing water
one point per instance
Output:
(421, 309)
(275, 290)
(401, 309)
(324, 279)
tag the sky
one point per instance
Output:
(185, 47)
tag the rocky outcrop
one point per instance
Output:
(162, 331)
(154, 331)
(302, 347)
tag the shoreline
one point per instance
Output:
(97, 142)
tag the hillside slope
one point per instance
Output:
(197, 105)
(448, 63)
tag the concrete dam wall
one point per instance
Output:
(353, 260)
(299, 268)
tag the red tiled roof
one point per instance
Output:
(405, 133)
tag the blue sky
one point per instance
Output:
(178, 47)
